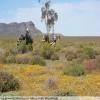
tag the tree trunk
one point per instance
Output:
(53, 32)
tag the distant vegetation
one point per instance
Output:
(71, 67)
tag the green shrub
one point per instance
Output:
(64, 93)
(2, 55)
(54, 57)
(35, 52)
(90, 52)
(46, 51)
(8, 82)
(29, 47)
(81, 46)
(74, 70)
(81, 56)
(46, 38)
(58, 46)
(97, 50)
(10, 59)
(70, 57)
(23, 47)
(38, 60)
(71, 54)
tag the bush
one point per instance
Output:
(35, 52)
(23, 47)
(90, 52)
(81, 56)
(46, 38)
(13, 51)
(10, 59)
(2, 58)
(64, 93)
(46, 51)
(8, 82)
(54, 57)
(98, 61)
(90, 64)
(2, 55)
(23, 58)
(38, 60)
(58, 46)
(71, 54)
(97, 50)
(2, 51)
(29, 59)
(74, 70)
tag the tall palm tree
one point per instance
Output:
(53, 17)
(49, 16)
(44, 16)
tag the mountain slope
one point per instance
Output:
(15, 29)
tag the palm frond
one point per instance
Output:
(43, 11)
(47, 4)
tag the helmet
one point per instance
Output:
(27, 29)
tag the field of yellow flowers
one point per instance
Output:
(38, 80)
(72, 67)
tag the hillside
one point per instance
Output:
(15, 29)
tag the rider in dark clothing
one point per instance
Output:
(28, 38)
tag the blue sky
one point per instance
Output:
(76, 17)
